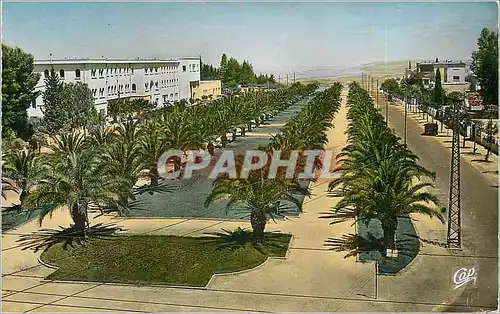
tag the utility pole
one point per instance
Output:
(371, 86)
(377, 94)
(362, 81)
(454, 235)
(387, 112)
(279, 79)
(406, 114)
(293, 77)
(287, 80)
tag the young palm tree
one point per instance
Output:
(259, 195)
(21, 167)
(75, 182)
(152, 145)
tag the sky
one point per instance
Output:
(275, 37)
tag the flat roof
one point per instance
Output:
(441, 63)
(109, 60)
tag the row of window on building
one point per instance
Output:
(214, 90)
(113, 90)
(126, 71)
(161, 84)
(111, 72)
(78, 73)
(160, 70)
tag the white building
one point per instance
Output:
(160, 81)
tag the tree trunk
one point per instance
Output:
(23, 196)
(223, 140)
(389, 227)
(234, 135)
(79, 218)
(465, 135)
(258, 220)
(249, 127)
(242, 131)
(153, 175)
(211, 148)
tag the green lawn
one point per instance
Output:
(156, 259)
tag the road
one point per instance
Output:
(479, 205)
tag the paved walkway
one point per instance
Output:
(311, 278)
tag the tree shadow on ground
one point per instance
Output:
(481, 160)
(367, 244)
(46, 238)
(490, 171)
(371, 248)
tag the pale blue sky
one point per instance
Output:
(274, 36)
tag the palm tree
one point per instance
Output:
(8, 185)
(258, 194)
(75, 182)
(152, 145)
(378, 173)
(21, 168)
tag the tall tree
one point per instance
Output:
(55, 116)
(438, 92)
(485, 66)
(18, 89)
(78, 100)
(223, 65)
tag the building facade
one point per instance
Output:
(208, 89)
(452, 72)
(159, 81)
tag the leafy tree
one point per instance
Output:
(18, 89)
(55, 115)
(391, 87)
(78, 100)
(485, 66)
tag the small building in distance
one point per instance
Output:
(453, 74)
(206, 89)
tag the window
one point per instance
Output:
(151, 84)
(132, 71)
(92, 73)
(77, 74)
(146, 86)
(156, 70)
(183, 68)
(61, 73)
(134, 88)
(46, 73)
(101, 72)
(456, 78)
(146, 70)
